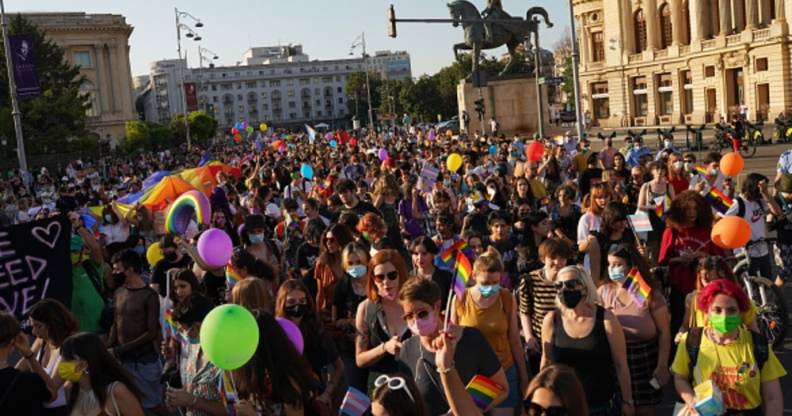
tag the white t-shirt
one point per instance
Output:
(755, 212)
(588, 223)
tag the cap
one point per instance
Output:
(253, 222)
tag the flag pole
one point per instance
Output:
(450, 296)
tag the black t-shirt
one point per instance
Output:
(214, 287)
(158, 275)
(443, 278)
(473, 356)
(321, 352)
(306, 257)
(27, 394)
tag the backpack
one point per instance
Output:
(740, 207)
(761, 348)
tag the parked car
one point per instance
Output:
(452, 124)
(568, 117)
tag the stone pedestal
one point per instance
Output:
(510, 99)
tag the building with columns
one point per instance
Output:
(665, 62)
(99, 44)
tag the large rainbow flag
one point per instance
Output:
(637, 286)
(719, 201)
(462, 272)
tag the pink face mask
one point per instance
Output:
(423, 327)
(385, 294)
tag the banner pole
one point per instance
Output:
(16, 114)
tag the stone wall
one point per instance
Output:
(512, 101)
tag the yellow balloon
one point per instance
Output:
(263, 127)
(454, 162)
(154, 254)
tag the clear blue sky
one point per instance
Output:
(325, 28)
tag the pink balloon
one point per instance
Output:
(383, 154)
(215, 247)
(293, 332)
(329, 136)
(535, 151)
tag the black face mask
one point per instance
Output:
(570, 298)
(171, 257)
(296, 311)
(119, 279)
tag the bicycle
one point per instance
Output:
(698, 143)
(782, 133)
(726, 138)
(771, 316)
(755, 133)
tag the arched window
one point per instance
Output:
(639, 24)
(666, 30)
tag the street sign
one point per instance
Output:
(551, 80)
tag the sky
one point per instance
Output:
(325, 28)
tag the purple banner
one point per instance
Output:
(24, 59)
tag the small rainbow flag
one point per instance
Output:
(483, 391)
(637, 286)
(447, 255)
(355, 403)
(228, 392)
(172, 329)
(700, 169)
(462, 272)
(719, 201)
(660, 207)
(232, 275)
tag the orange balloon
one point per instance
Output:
(731, 164)
(731, 232)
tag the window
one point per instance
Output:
(215, 99)
(290, 93)
(265, 106)
(292, 104)
(340, 100)
(687, 88)
(241, 108)
(761, 64)
(292, 115)
(82, 59)
(600, 100)
(305, 81)
(666, 29)
(639, 24)
(709, 71)
(274, 83)
(597, 47)
(239, 97)
(339, 90)
(251, 84)
(214, 87)
(641, 104)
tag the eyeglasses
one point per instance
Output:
(390, 275)
(567, 284)
(416, 315)
(393, 383)
(535, 409)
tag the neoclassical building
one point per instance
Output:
(99, 44)
(661, 62)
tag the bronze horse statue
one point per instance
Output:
(483, 34)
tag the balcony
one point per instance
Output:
(684, 49)
(637, 57)
(761, 34)
(708, 44)
(733, 40)
(596, 65)
(661, 53)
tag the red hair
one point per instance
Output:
(725, 287)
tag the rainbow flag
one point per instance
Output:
(228, 393)
(232, 275)
(700, 169)
(719, 201)
(483, 391)
(462, 272)
(660, 207)
(637, 287)
(172, 328)
(355, 403)
(449, 253)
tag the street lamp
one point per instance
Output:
(360, 41)
(16, 114)
(575, 73)
(190, 34)
(202, 57)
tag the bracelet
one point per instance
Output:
(445, 370)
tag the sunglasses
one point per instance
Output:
(535, 409)
(567, 284)
(417, 315)
(390, 275)
(393, 383)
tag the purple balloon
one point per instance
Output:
(329, 136)
(215, 247)
(383, 154)
(293, 332)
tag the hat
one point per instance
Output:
(784, 183)
(253, 222)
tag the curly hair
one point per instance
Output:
(372, 224)
(677, 217)
(706, 296)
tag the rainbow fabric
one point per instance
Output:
(171, 329)
(447, 255)
(719, 201)
(700, 169)
(183, 208)
(228, 393)
(637, 287)
(232, 276)
(483, 391)
(660, 208)
(462, 272)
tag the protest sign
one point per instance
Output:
(34, 264)
(428, 177)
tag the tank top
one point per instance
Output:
(493, 322)
(88, 405)
(51, 370)
(590, 357)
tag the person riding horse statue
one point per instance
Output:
(493, 28)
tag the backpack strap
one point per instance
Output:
(740, 207)
(761, 349)
(692, 345)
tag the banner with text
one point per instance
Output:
(35, 264)
(24, 59)
(191, 95)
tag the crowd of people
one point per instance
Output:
(361, 256)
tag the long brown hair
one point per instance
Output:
(342, 236)
(252, 293)
(565, 385)
(677, 218)
(385, 256)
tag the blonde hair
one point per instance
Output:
(253, 294)
(592, 297)
(354, 249)
(489, 261)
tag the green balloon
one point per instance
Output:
(229, 336)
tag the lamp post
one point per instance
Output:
(201, 58)
(361, 41)
(15, 113)
(190, 34)
(575, 73)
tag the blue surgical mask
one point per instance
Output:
(140, 250)
(357, 271)
(617, 274)
(489, 290)
(256, 238)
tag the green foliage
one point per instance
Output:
(145, 136)
(569, 84)
(355, 89)
(54, 121)
(202, 127)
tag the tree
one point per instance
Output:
(137, 136)
(202, 127)
(569, 84)
(355, 89)
(422, 98)
(57, 117)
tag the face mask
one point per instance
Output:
(119, 279)
(357, 271)
(67, 370)
(570, 298)
(139, 250)
(386, 295)
(616, 274)
(423, 327)
(296, 311)
(489, 290)
(724, 323)
(109, 218)
(679, 165)
(668, 144)
(713, 172)
(256, 238)
(171, 257)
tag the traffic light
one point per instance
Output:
(392, 22)
(480, 106)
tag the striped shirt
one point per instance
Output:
(536, 298)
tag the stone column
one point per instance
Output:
(652, 25)
(698, 20)
(751, 14)
(102, 87)
(628, 31)
(724, 14)
(712, 11)
(677, 26)
(738, 19)
(780, 13)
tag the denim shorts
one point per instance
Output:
(148, 377)
(514, 389)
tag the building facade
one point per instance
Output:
(390, 65)
(661, 62)
(99, 45)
